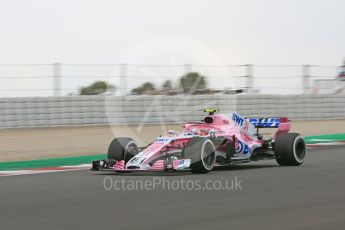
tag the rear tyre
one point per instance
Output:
(290, 149)
(202, 153)
(122, 148)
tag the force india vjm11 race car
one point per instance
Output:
(218, 140)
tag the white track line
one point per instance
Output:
(40, 171)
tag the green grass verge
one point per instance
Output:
(325, 138)
(51, 162)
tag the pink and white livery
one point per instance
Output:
(219, 140)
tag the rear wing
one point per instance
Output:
(250, 124)
(268, 122)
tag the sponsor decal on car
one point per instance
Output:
(237, 119)
(265, 122)
(181, 164)
(162, 140)
(242, 148)
(243, 123)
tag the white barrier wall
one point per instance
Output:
(101, 110)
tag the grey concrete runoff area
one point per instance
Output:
(272, 197)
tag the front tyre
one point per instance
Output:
(202, 153)
(122, 148)
(290, 149)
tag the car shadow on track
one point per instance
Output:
(168, 173)
(186, 173)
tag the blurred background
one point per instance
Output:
(69, 66)
(56, 48)
(58, 79)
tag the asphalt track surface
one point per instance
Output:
(311, 196)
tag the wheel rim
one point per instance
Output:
(299, 149)
(130, 147)
(208, 155)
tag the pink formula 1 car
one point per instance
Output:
(219, 140)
